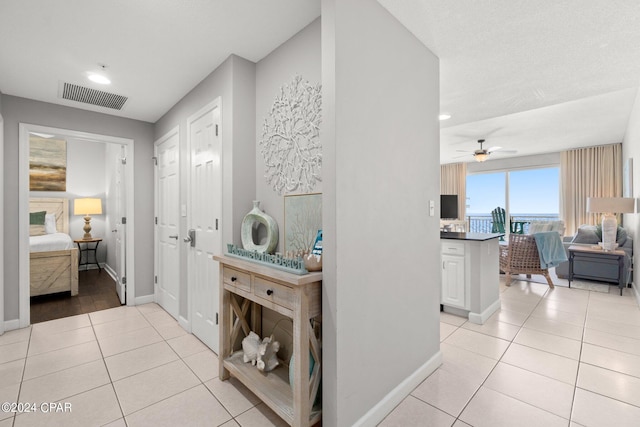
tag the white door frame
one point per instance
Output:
(216, 103)
(23, 208)
(156, 143)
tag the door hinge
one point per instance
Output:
(156, 220)
(124, 220)
(216, 318)
(155, 279)
(124, 160)
(155, 160)
(216, 130)
(124, 280)
(216, 223)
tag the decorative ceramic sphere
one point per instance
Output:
(312, 262)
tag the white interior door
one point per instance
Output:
(167, 219)
(120, 227)
(205, 209)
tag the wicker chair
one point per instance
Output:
(521, 257)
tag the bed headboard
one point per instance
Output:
(60, 207)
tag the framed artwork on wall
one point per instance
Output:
(627, 178)
(302, 220)
(47, 164)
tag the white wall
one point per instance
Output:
(381, 268)
(85, 178)
(300, 55)
(1, 217)
(631, 150)
(20, 110)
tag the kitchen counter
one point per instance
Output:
(470, 275)
(478, 237)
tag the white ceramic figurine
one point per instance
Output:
(267, 354)
(250, 345)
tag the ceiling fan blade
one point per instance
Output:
(464, 151)
(492, 149)
(509, 151)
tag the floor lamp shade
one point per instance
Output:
(609, 206)
(87, 207)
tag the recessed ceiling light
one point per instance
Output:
(444, 116)
(99, 78)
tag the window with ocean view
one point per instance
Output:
(533, 194)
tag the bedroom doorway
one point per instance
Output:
(118, 150)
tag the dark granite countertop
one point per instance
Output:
(480, 237)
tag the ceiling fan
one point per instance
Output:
(482, 154)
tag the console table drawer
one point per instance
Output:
(237, 279)
(274, 292)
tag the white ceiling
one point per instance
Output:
(156, 50)
(534, 76)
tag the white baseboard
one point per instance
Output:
(186, 325)
(384, 407)
(146, 299)
(110, 271)
(480, 318)
(10, 325)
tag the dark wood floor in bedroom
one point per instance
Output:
(96, 291)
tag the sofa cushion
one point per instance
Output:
(587, 234)
(592, 234)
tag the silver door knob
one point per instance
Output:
(187, 239)
(174, 237)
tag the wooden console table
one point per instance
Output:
(245, 288)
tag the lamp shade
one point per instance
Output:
(87, 206)
(610, 205)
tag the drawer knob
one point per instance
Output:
(269, 291)
(234, 278)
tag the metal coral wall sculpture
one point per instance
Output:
(290, 142)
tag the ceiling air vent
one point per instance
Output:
(87, 95)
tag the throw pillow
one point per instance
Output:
(36, 223)
(50, 224)
(587, 234)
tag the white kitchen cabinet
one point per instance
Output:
(470, 280)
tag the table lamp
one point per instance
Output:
(87, 207)
(609, 206)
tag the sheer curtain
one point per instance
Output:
(588, 172)
(453, 180)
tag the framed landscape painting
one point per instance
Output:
(47, 164)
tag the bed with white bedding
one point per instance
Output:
(54, 260)
(50, 242)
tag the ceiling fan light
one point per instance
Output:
(480, 157)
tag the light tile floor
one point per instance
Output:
(563, 357)
(549, 357)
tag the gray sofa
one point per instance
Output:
(588, 235)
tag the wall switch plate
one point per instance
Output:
(432, 208)
(183, 210)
